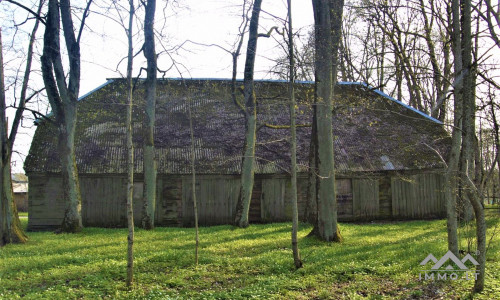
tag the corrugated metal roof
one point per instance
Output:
(371, 132)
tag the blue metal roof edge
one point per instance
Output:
(96, 89)
(392, 99)
(225, 79)
(108, 81)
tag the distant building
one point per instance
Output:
(386, 160)
(20, 188)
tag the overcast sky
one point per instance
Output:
(104, 44)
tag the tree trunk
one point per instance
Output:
(72, 221)
(326, 225)
(311, 213)
(13, 232)
(149, 160)
(193, 186)
(63, 98)
(469, 138)
(130, 152)
(10, 226)
(8, 216)
(5, 207)
(451, 179)
(293, 149)
(247, 166)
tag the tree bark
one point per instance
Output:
(148, 212)
(452, 175)
(326, 225)
(9, 216)
(130, 151)
(10, 226)
(72, 221)
(293, 149)
(63, 99)
(193, 185)
(247, 166)
(469, 138)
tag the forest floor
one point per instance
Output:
(375, 261)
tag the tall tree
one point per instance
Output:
(63, 98)
(469, 137)
(193, 184)
(10, 229)
(10, 226)
(148, 212)
(247, 166)
(326, 13)
(456, 140)
(130, 150)
(293, 148)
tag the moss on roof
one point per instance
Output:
(371, 132)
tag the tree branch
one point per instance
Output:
(28, 9)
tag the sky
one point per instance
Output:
(104, 45)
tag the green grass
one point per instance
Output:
(375, 261)
(23, 214)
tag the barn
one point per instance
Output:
(388, 155)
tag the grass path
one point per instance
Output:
(376, 261)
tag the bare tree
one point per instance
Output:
(10, 226)
(326, 17)
(193, 184)
(63, 98)
(148, 212)
(293, 142)
(130, 149)
(247, 166)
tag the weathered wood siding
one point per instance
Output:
(275, 192)
(385, 197)
(216, 200)
(45, 203)
(104, 199)
(418, 196)
(344, 198)
(365, 198)
(169, 201)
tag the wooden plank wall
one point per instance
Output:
(344, 198)
(169, 201)
(385, 198)
(104, 201)
(276, 198)
(273, 208)
(418, 196)
(216, 199)
(45, 203)
(365, 198)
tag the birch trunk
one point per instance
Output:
(247, 168)
(293, 149)
(148, 213)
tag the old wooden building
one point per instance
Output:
(386, 155)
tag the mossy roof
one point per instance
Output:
(372, 132)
